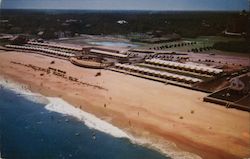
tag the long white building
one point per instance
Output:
(56, 46)
(107, 53)
(44, 50)
(160, 74)
(187, 67)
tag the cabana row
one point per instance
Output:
(106, 53)
(48, 51)
(56, 46)
(160, 74)
(186, 67)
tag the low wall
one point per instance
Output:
(226, 103)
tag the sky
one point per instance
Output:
(222, 5)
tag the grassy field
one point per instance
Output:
(200, 42)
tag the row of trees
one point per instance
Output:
(167, 46)
(201, 49)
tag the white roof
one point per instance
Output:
(108, 53)
(137, 68)
(56, 45)
(41, 49)
(187, 66)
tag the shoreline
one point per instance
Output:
(158, 121)
(58, 105)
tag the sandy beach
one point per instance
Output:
(161, 114)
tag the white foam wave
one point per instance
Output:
(22, 90)
(169, 149)
(60, 106)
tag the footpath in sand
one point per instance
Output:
(146, 109)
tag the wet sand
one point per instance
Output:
(148, 110)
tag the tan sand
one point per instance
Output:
(146, 109)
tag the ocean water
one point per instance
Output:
(30, 131)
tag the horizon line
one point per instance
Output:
(154, 10)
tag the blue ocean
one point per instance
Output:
(29, 131)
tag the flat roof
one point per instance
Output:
(108, 53)
(188, 66)
(56, 45)
(186, 78)
(41, 49)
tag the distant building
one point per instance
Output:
(4, 21)
(63, 34)
(40, 33)
(71, 21)
(122, 22)
(238, 25)
(232, 34)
